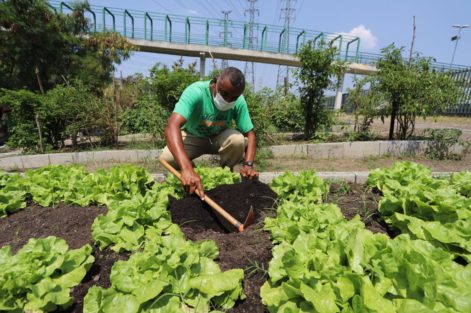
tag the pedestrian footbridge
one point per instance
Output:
(193, 36)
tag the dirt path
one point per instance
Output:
(360, 165)
(462, 123)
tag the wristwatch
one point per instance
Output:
(248, 163)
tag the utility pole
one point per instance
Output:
(250, 66)
(413, 41)
(225, 34)
(287, 14)
(456, 38)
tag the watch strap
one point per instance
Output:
(247, 163)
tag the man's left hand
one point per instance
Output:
(248, 172)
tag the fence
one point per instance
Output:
(462, 108)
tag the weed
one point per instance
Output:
(337, 189)
(256, 268)
(367, 214)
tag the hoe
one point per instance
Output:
(238, 225)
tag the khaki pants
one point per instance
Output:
(229, 144)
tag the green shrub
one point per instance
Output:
(53, 117)
(21, 120)
(287, 114)
(260, 114)
(147, 116)
(441, 141)
(68, 111)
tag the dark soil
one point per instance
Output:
(250, 250)
(73, 224)
(357, 199)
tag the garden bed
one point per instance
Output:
(250, 250)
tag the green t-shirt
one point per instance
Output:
(202, 117)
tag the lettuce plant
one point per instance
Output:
(39, 277)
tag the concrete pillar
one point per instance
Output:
(202, 65)
(338, 96)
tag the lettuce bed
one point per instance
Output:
(321, 261)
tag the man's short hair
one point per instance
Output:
(235, 76)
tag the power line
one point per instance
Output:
(233, 10)
(211, 10)
(276, 10)
(299, 10)
(184, 7)
(241, 5)
(214, 11)
(236, 10)
(160, 5)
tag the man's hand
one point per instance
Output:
(248, 172)
(192, 182)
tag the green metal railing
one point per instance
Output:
(126, 13)
(463, 108)
(373, 58)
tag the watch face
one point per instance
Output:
(248, 163)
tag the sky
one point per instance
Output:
(377, 22)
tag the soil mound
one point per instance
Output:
(69, 222)
(250, 250)
(195, 215)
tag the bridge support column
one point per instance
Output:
(202, 65)
(338, 96)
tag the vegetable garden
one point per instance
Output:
(116, 241)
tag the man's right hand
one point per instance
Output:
(192, 182)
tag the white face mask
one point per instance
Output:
(221, 104)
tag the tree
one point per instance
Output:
(412, 88)
(40, 49)
(317, 73)
(366, 105)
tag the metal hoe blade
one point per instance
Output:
(248, 220)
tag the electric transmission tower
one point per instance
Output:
(225, 35)
(286, 14)
(250, 66)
